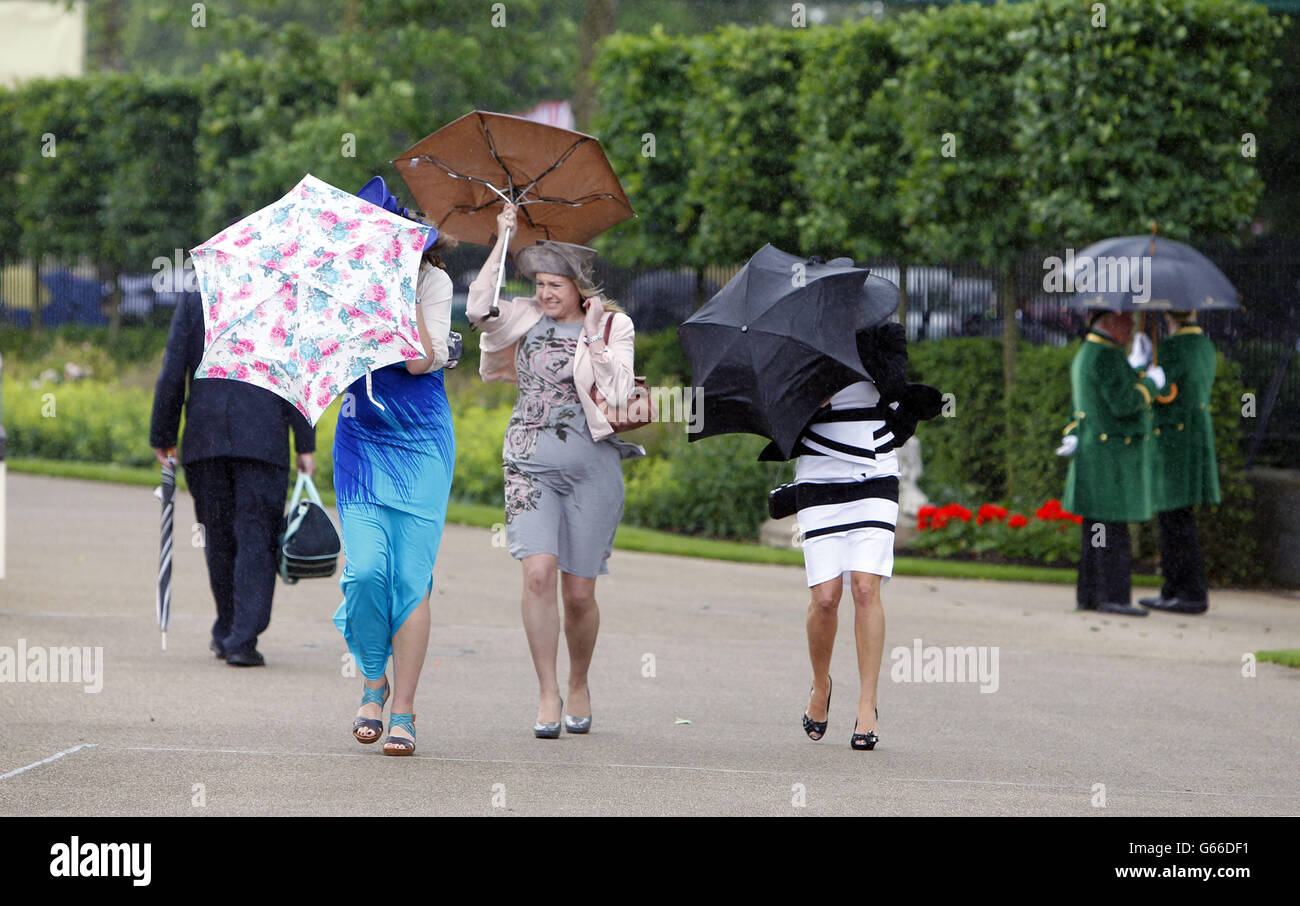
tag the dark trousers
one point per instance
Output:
(1180, 556)
(1105, 565)
(240, 504)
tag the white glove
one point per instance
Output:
(1157, 375)
(1140, 353)
(1068, 446)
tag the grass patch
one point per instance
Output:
(633, 538)
(1287, 657)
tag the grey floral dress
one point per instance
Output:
(563, 490)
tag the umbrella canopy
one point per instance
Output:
(462, 174)
(779, 339)
(1139, 273)
(163, 599)
(309, 294)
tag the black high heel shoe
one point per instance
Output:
(864, 742)
(811, 726)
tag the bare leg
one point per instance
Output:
(823, 620)
(542, 626)
(869, 632)
(410, 645)
(581, 624)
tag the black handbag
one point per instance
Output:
(309, 545)
(782, 501)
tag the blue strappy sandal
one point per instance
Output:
(406, 746)
(371, 697)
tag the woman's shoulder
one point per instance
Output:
(435, 277)
(621, 320)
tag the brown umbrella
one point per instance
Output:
(462, 174)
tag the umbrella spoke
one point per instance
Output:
(450, 171)
(492, 149)
(554, 166)
(575, 203)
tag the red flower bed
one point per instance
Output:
(1053, 512)
(994, 531)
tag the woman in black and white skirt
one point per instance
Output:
(846, 482)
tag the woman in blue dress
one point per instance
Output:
(394, 450)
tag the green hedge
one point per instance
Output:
(961, 200)
(850, 131)
(742, 137)
(640, 81)
(87, 421)
(116, 182)
(1172, 86)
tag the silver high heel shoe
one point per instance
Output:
(550, 729)
(578, 724)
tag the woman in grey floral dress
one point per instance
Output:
(562, 459)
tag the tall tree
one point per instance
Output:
(598, 21)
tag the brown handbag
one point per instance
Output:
(639, 410)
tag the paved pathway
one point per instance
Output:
(1156, 710)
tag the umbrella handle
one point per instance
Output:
(501, 275)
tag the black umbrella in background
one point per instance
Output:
(1149, 273)
(1173, 276)
(163, 600)
(779, 339)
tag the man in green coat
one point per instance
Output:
(1109, 482)
(1186, 470)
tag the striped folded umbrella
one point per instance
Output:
(163, 599)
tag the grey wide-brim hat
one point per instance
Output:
(564, 258)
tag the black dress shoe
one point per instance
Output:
(217, 648)
(1150, 602)
(1124, 610)
(246, 659)
(1178, 605)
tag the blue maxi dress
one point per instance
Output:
(392, 479)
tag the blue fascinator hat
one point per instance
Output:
(376, 192)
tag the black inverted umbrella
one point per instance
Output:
(779, 339)
(1137, 273)
(163, 598)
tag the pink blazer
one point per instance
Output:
(610, 372)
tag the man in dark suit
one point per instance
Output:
(236, 460)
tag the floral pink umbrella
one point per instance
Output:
(308, 294)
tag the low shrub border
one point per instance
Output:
(629, 537)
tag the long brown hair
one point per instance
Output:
(444, 243)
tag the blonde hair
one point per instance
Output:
(608, 304)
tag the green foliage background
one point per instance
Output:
(1142, 120)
